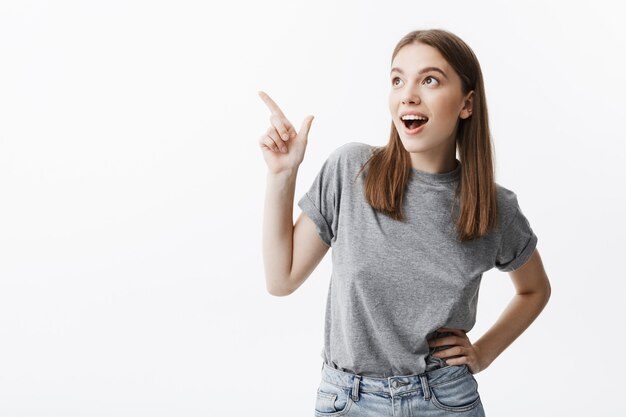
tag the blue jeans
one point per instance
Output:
(447, 391)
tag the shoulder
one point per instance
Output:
(505, 196)
(508, 205)
(352, 153)
(345, 161)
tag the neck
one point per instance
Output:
(433, 164)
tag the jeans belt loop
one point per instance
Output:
(355, 388)
(425, 387)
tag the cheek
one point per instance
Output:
(393, 106)
(392, 99)
(446, 111)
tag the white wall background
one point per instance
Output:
(132, 189)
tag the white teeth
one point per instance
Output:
(413, 117)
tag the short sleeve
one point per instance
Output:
(321, 201)
(518, 241)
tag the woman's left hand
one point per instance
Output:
(469, 353)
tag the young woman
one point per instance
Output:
(412, 229)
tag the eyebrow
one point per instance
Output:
(423, 70)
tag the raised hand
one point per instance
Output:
(283, 148)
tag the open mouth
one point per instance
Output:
(413, 122)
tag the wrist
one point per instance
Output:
(484, 359)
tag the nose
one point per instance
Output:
(413, 100)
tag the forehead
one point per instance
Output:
(415, 56)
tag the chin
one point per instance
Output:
(416, 144)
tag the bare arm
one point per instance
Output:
(532, 294)
(278, 230)
(290, 253)
(308, 250)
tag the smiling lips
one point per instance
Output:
(413, 122)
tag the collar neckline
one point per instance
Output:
(439, 178)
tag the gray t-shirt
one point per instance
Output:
(393, 283)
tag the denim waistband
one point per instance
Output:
(393, 385)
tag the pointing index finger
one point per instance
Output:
(271, 104)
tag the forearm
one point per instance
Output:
(517, 316)
(278, 230)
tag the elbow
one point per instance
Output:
(540, 293)
(548, 291)
(279, 291)
(544, 292)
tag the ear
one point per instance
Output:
(466, 111)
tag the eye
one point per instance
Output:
(393, 80)
(430, 76)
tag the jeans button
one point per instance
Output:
(394, 383)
